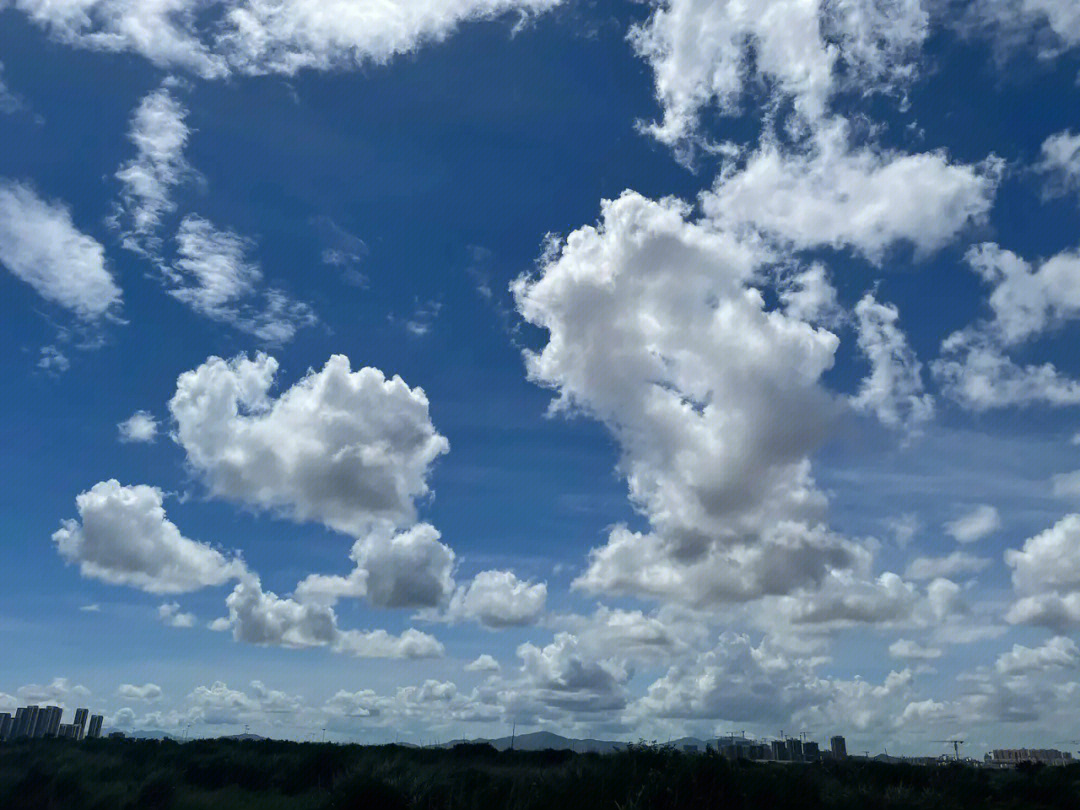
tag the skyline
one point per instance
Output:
(624, 370)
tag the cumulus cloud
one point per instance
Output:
(483, 663)
(170, 614)
(833, 194)
(147, 692)
(561, 675)
(141, 426)
(1057, 653)
(59, 691)
(159, 133)
(980, 522)
(1046, 576)
(809, 296)
(252, 36)
(40, 244)
(346, 449)
(213, 275)
(703, 52)
(715, 401)
(913, 651)
(893, 391)
(53, 361)
(123, 537)
(217, 704)
(264, 618)
(499, 599)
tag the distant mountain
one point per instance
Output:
(144, 734)
(546, 740)
(247, 737)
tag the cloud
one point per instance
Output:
(980, 522)
(958, 562)
(715, 401)
(483, 663)
(147, 692)
(346, 449)
(809, 296)
(499, 599)
(410, 568)
(1057, 653)
(1060, 163)
(9, 101)
(53, 361)
(562, 676)
(215, 278)
(124, 538)
(159, 133)
(92, 608)
(252, 36)
(704, 52)
(262, 617)
(893, 391)
(912, 650)
(1066, 485)
(170, 614)
(59, 691)
(40, 244)
(1046, 577)
(141, 426)
(217, 704)
(833, 194)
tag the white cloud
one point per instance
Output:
(141, 426)
(1057, 653)
(217, 704)
(1061, 163)
(956, 563)
(124, 538)
(837, 195)
(980, 522)
(715, 401)
(347, 449)
(410, 568)
(499, 599)
(1046, 576)
(170, 614)
(147, 692)
(59, 691)
(9, 101)
(91, 608)
(483, 663)
(809, 296)
(561, 675)
(1051, 25)
(704, 51)
(262, 617)
(215, 278)
(53, 361)
(911, 650)
(893, 391)
(255, 36)
(40, 244)
(159, 133)
(1066, 485)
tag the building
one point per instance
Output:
(780, 751)
(95, 727)
(26, 727)
(6, 725)
(52, 729)
(1016, 756)
(795, 750)
(80, 723)
(839, 747)
(811, 752)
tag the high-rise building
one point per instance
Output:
(52, 728)
(795, 748)
(95, 727)
(811, 751)
(22, 717)
(33, 720)
(80, 723)
(6, 723)
(839, 747)
(780, 750)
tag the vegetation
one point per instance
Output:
(270, 775)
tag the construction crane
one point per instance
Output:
(954, 743)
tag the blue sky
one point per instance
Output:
(737, 373)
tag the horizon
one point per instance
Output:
(626, 370)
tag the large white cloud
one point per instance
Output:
(343, 448)
(123, 537)
(41, 245)
(262, 617)
(654, 329)
(499, 599)
(710, 51)
(1046, 576)
(256, 36)
(980, 522)
(833, 193)
(1057, 653)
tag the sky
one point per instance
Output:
(414, 370)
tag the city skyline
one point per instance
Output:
(434, 369)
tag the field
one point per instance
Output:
(225, 774)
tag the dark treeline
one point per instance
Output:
(269, 775)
